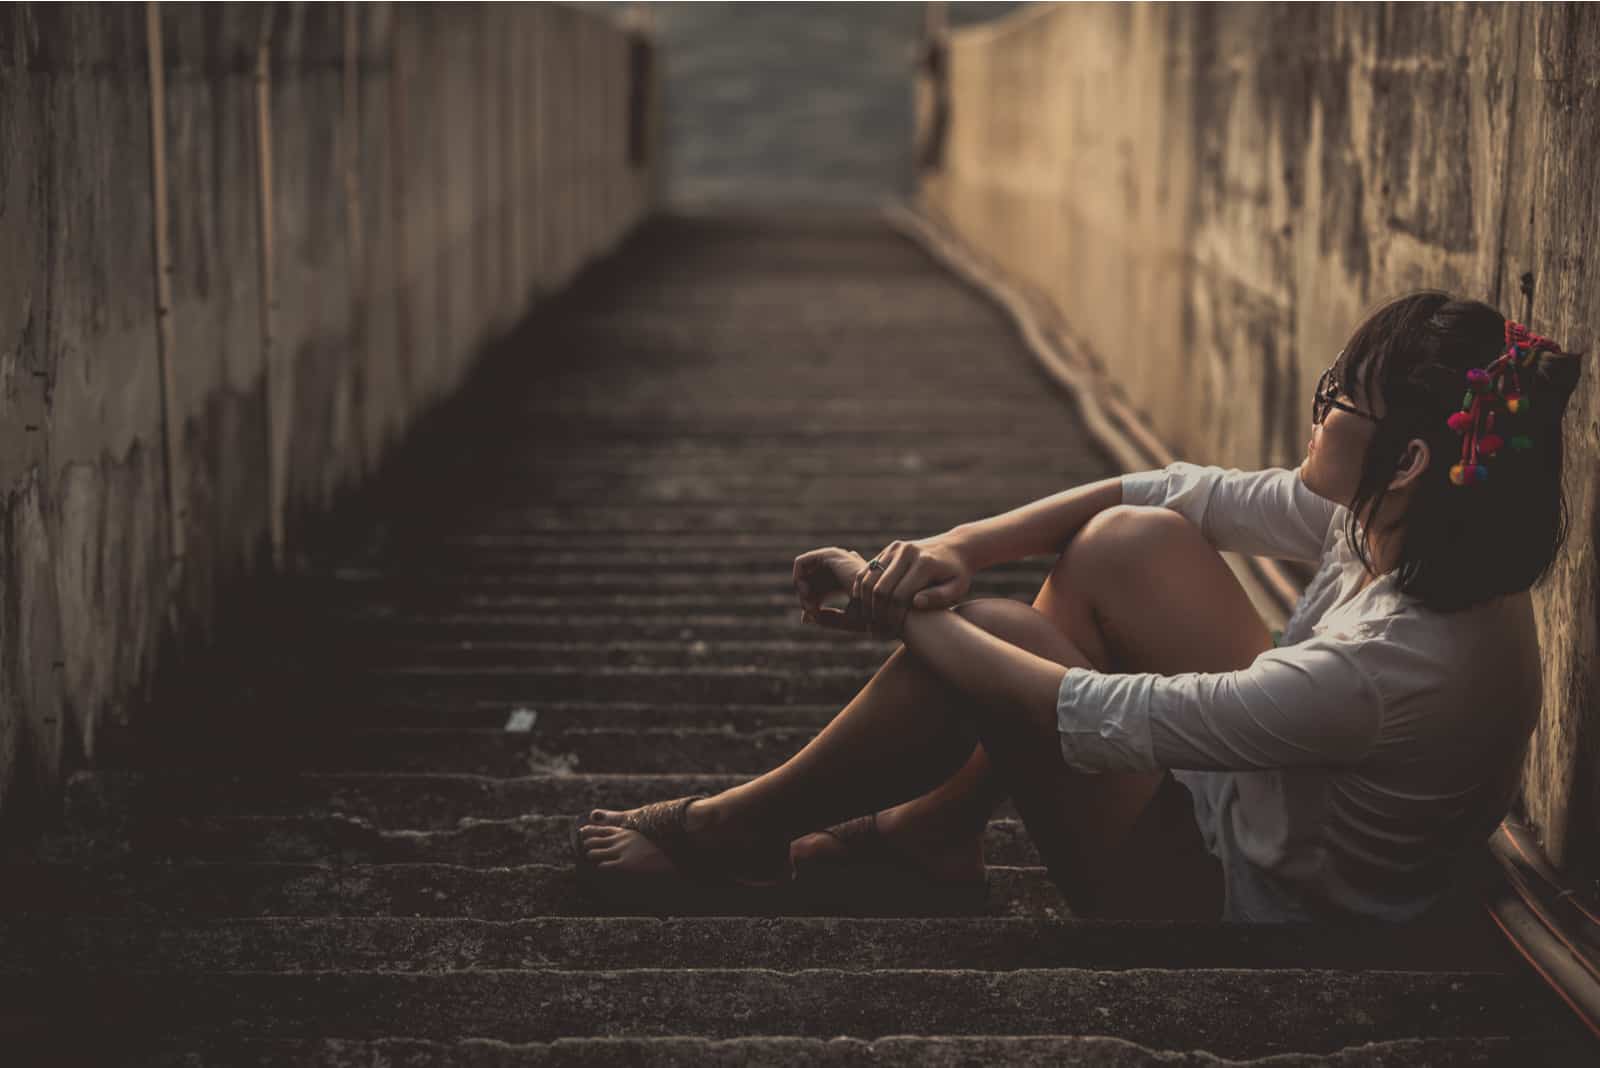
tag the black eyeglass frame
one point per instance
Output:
(1326, 396)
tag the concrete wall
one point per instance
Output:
(1213, 196)
(216, 321)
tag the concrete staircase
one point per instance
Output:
(341, 839)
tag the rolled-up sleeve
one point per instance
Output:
(1270, 512)
(1311, 704)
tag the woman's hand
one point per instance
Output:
(931, 573)
(821, 572)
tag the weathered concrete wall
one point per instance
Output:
(1213, 196)
(354, 199)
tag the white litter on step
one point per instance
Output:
(521, 720)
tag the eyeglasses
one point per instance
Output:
(1326, 396)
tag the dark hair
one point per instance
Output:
(1462, 544)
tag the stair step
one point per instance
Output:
(886, 489)
(498, 752)
(778, 619)
(348, 840)
(758, 544)
(986, 429)
(587, 454)
(912, 520)
(153, 889)
(413, 944)
(301, 711)
(1220, 1011)
(586, 582)
(391, 800)
(778, 605)
(648, 563)
(532, 684)
(492, 657)
(930, 1051)
(597, 628)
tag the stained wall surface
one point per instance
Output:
(229, 289)
(1213, 196)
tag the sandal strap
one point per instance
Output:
(864, 843)
(664, 823)
(859, 834)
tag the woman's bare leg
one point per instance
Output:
(907, 733)
(1141, 590)
(943, 829)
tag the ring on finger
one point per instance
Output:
(870, 595)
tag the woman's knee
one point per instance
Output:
(1163, 598)
(1121, 538)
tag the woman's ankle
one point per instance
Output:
(920, 822)
(720, 818)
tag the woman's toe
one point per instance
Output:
(604, 842)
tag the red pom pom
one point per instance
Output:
(1460, 422)
(1490, 444)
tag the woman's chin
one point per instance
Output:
(1309, 478)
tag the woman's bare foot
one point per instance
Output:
(617, 848)
(944, 853)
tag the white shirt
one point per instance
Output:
(1353, 766)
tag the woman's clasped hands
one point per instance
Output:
(931, 573)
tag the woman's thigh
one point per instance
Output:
(1140, 589)
(1117, 844)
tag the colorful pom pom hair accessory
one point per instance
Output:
(1497, 386)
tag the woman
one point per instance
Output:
(1167, 760)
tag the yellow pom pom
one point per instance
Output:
(1455, 475)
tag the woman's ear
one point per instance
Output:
(1413, 462)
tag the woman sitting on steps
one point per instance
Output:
(1167, 760)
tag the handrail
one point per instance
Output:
(1546, 920)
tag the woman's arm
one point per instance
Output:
(1311, 704)
(935, 572)
(1043, 526)
(984, 667)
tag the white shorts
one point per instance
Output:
(1250, 895)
